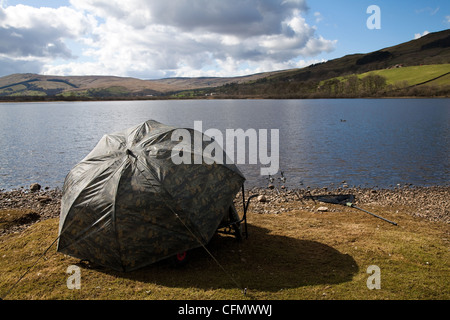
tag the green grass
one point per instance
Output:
(29, 93)
(443, 81)
(413, 75)
(292, 255)
(114, 91)
(12, 89)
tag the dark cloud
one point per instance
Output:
(214, 16)
(37, 42)
(9, 66)
(241, 18)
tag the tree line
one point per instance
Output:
(350, 86)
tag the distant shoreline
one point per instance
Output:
(50, 99)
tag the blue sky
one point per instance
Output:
(160, 38)
(400, 21)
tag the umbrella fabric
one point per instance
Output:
(127, 204)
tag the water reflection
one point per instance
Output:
(366, 142)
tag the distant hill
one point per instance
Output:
(35, 85)
(434, 48)
(76, 86)
(43, 85)
(355, 75)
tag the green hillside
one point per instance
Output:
(425, 80)
(423, 64)
(415, 75)
(442, 81)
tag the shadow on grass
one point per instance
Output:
(263, 262)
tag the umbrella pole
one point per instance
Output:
(245, 212)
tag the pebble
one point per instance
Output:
(44, 199)
(35, 187)
(432, 203)
(262, 198)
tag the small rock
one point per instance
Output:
(44, 199)
(35, 187)
(271, 186)
(262, 198)
(322, 209)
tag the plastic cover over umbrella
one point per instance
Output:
(127, 204)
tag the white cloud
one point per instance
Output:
(152, 39)
(429, 10)
(37, 35)
(420, 35)
(318, 16)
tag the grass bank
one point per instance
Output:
(297, 253)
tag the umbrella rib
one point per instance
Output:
(83, 234)
(162, 198)
(189, 229)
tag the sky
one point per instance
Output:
(153, 39)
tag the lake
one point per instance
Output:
(364, 142)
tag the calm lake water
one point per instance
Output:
(378, 143)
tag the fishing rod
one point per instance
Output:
(351, 205)
(344, 200)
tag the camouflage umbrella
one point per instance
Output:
(127, 204)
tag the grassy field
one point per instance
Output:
(414, 75)
(294, 255)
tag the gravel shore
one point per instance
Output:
(431, 203)
(34, 206)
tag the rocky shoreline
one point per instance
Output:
(431, 203)
(30, 205)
